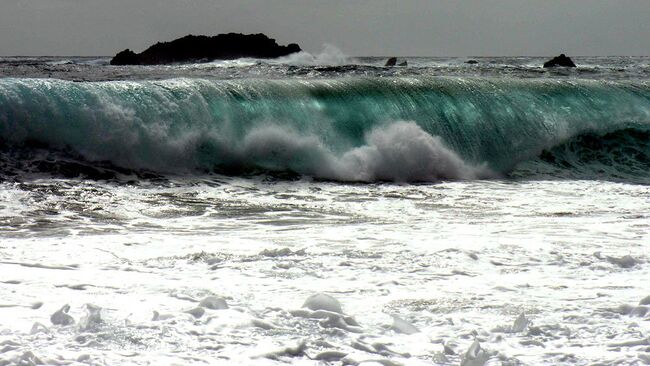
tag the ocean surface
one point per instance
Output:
(325, 210)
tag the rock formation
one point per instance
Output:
(560, 60)
(391, 62)
(205, 49)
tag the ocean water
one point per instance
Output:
(324, 209)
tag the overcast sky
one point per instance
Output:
(357, 27)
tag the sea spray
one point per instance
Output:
(400, 152)
(330, 55)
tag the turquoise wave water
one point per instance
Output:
(351, 129)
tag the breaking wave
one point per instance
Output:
(351, 129)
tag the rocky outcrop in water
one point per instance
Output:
(126, 57)
(391, 62)
(205, 49)
(560, 60)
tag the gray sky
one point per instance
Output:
(357, 27)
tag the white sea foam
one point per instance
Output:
(378, 249)
(400, 152)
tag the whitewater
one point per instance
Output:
(324, 209)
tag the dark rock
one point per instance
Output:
(205, 49)
(471, 62)
(403, 63)
(560, 60)
(126, 57)
(391, 62)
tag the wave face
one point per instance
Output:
(622, 155)
(348, 129)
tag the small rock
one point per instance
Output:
(391, 62)
(561, 60)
